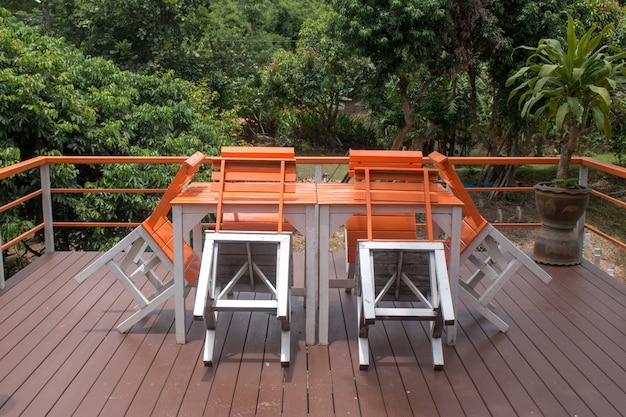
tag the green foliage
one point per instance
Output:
(55, 101)
(316, 79)
(53, 98)
(570, 83)
(391, 31)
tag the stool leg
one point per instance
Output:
(285, 347)
(363, 342)
(209, 339)
(209, 344)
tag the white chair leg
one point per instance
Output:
(437, 353)
(364, 353)
(209, 345)
(142, 312)
(285, 347)
(485, 311)
(363, 342)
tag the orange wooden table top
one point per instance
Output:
(208, 193)
(348, 194)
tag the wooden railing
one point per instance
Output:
(41, 166)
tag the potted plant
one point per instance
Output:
(572, 88)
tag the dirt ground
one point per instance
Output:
(611, 256)
(612, 259)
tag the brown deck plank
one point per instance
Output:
(596, 302)
(158, 373)
(28, 305)
(541, 353)
(227, 367)
(51, 321)
(384, 364)
(270, 397)
(183, 375)
(467, 400)
(343, 364)
(146, 358)
(320, 381)
(102, 339)
(62, 355)
(114, 347)
(102, 389)
(254, 357)
(596, 338)
(492, 374)
(409, 367)
(586, 378)
(369, 394)
(536, 394)
(295, 398)
(442, 397)
(67, 360)
(196, 393)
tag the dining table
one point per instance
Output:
(317, 211)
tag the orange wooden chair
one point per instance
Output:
(394, 267)
(383, 170)
(248, 252)
(490, 253)
(130, 261)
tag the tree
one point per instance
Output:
(569, 84)
(55, 101)
(398, 36)
(318, 78)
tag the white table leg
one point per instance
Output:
(179, 279)
(324, 236)
(312, 255)
(454, 267)
(327, 227)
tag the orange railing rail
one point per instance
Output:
(43, 163)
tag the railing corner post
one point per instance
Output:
(2, 279)
(46, 204)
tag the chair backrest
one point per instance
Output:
(388, 176)
(161, 229)
(473, 222)
(258, 173)
(383, 159)
(182, 178)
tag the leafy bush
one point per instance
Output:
(56, 101)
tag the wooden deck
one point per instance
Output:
(61, 355)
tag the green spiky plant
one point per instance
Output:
(570, 83)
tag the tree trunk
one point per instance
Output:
(476, 130)
(46, 14)
(406, 111)
(567, 150)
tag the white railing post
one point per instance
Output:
(2, 280)
(318, 173)
(583, 179)
(46, 205)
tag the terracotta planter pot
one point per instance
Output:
(557, 242)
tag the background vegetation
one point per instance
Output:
(168, 77)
